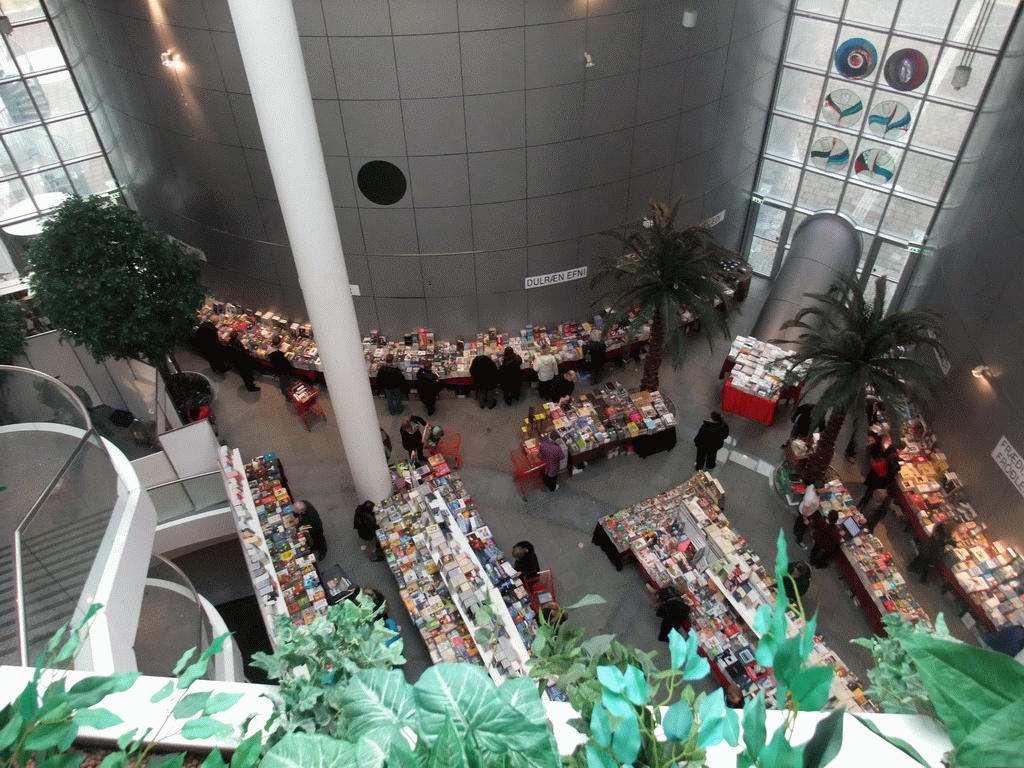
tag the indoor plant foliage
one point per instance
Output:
(662, 270)
(313, 663)
(113, 284)
(849, 348)
(12, 331)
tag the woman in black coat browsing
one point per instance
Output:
(510, 375)
(526, 562)
(412, 436)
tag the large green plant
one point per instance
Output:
(662, 270)
(12, 331)
(314, 662)
(851, 349)
(112, 283)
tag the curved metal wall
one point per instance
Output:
(516, 154)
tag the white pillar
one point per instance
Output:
(269, 41)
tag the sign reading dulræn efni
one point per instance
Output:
(556, 277)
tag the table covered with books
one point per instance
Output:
(607, 421)
(460, 591)
(681, 538)
(754, 373)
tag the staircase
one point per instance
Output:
(56, 564)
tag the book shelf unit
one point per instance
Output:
(451, 574)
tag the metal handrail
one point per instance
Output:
(195, 596)
(182, 479)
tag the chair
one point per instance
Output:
(525, 472)
(449, 446)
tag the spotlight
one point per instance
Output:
(689, 19)
(169, 59)
(981, 371)
(588, 59)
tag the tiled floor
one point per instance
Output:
(559, 524)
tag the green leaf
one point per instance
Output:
(812, 686)
(678, 648)
(180, 665)
(584, 601)
(65, 760)
(897, 742)
(731, 727)
(787, 662)
(600, 727)
(91, 690)
(826, 742)
(697, 666)
(635, 685)
(754, 732)
(626, 740)
(616, 704)
(96, 718)
(779, 753)
(712, 719)
(447, 750)
(597, 758)
(247, 753)
(126, 738)
(762, 619)
(611, 678)
(400, 755)
(995, 743)
(221, 702)
(306, 750)
(11, 731)
(375, 698)
(204, 728)
(521, 694)
(214, 760)
(50, 736)
(190, 704)
(678, 721)
(781, 564)
(163, 693)
(114, 760)
(174, 760)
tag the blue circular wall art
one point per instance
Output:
(830, 153)
(856, 58)
(889, 119)
(842, 107)
(875, 165)
(906, 69)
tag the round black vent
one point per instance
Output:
(382, 182)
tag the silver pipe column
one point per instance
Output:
(269, 41)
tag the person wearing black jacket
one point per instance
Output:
(881, 474)
(208, 344)
(596, 350)
(827, 540)
(428, 384)
(526, 562)
(412, 436)
(931, 550)
(709, 439)
(673, 612)
(485, 378)
(242, 361)
(282, 366)
(510, 375)
(310, 523)
(391, 380)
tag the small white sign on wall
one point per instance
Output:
(568, 275)
(1011, 462)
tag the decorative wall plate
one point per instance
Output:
(856, 58)
(906, 69)
(875, 165)
(842, 107)
(889, 119)
(830, 153)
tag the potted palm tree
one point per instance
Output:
(662, 271)
(849, 348)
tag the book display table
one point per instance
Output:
(756, 371)
(281, 564)
(683, 539)
(605, 422)
(985, 573)
(455, 583)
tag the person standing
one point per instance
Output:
(801, 419)
(809, 507)
(365, 523)
(882, 473)
(552, 453)
(242, 361)
(827, 540)
(412, 436)
(875, 516)
(562, 388)
(596, 350)
(208, 344)
(391, 379)
(797, 572)
(929, 554)
(485, 378)
(673, 612)
(709, 439)
(428, 384)
(282, 365)
(510, 375)
(546, 366)
(309, 522)
(525, 563)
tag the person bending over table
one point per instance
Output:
(673, 612)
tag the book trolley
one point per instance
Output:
(281, 564)
(682, 538)
(459, 590)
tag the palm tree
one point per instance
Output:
(849, 348)
(663, 271)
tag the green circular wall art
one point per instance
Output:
(830, 153)
(842, 107)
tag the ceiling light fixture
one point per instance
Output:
(981, 371)
(588, 59)
(689, 19)
(169, 59)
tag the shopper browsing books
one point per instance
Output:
(510, 375)
(309, 522)
(412, 436)
(809, 507)
(428, 385)
(552, 453)
(526, 563)
(673, 612)
(242, 361)
(546, 366)
(709, 439)
(282, 366)
(391, 380)
(827, 540)
(562, 388)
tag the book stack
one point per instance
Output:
(759, 367)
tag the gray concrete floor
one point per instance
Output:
(559, 524)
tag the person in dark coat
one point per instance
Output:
(379, 602)
(596, 350)
(673, 612)
(485, 379)
(391, 379)
(365, 523)
(412, 436)
(875, 516)
(827, 540)
(562, 388)
(310, 523)
(801, 419)
(526, 562)
(709, 439)
(510, 375)
(428, 384)
(208, 344)
(885, 463)
(801, 574)
(282, 365)
(931, 550)
(242, 361)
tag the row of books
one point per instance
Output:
(987, 570)
(449, 569)
(759, 368)
(682, 538)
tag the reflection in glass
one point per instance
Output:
(942, 128)
(91, 177)
(59, 91)
(799, 92)
(824, 7)
(35, 49)
(788, 138)
(819, 193)
(864, 205)
(30, 148)
(927, 18)
(50, 180)
(74, 138)
(890, 261)
(811, 42)
(923, 175)
(906, 220)
(762, 255)
(875, 13)
(778, 181)
(942, 81)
